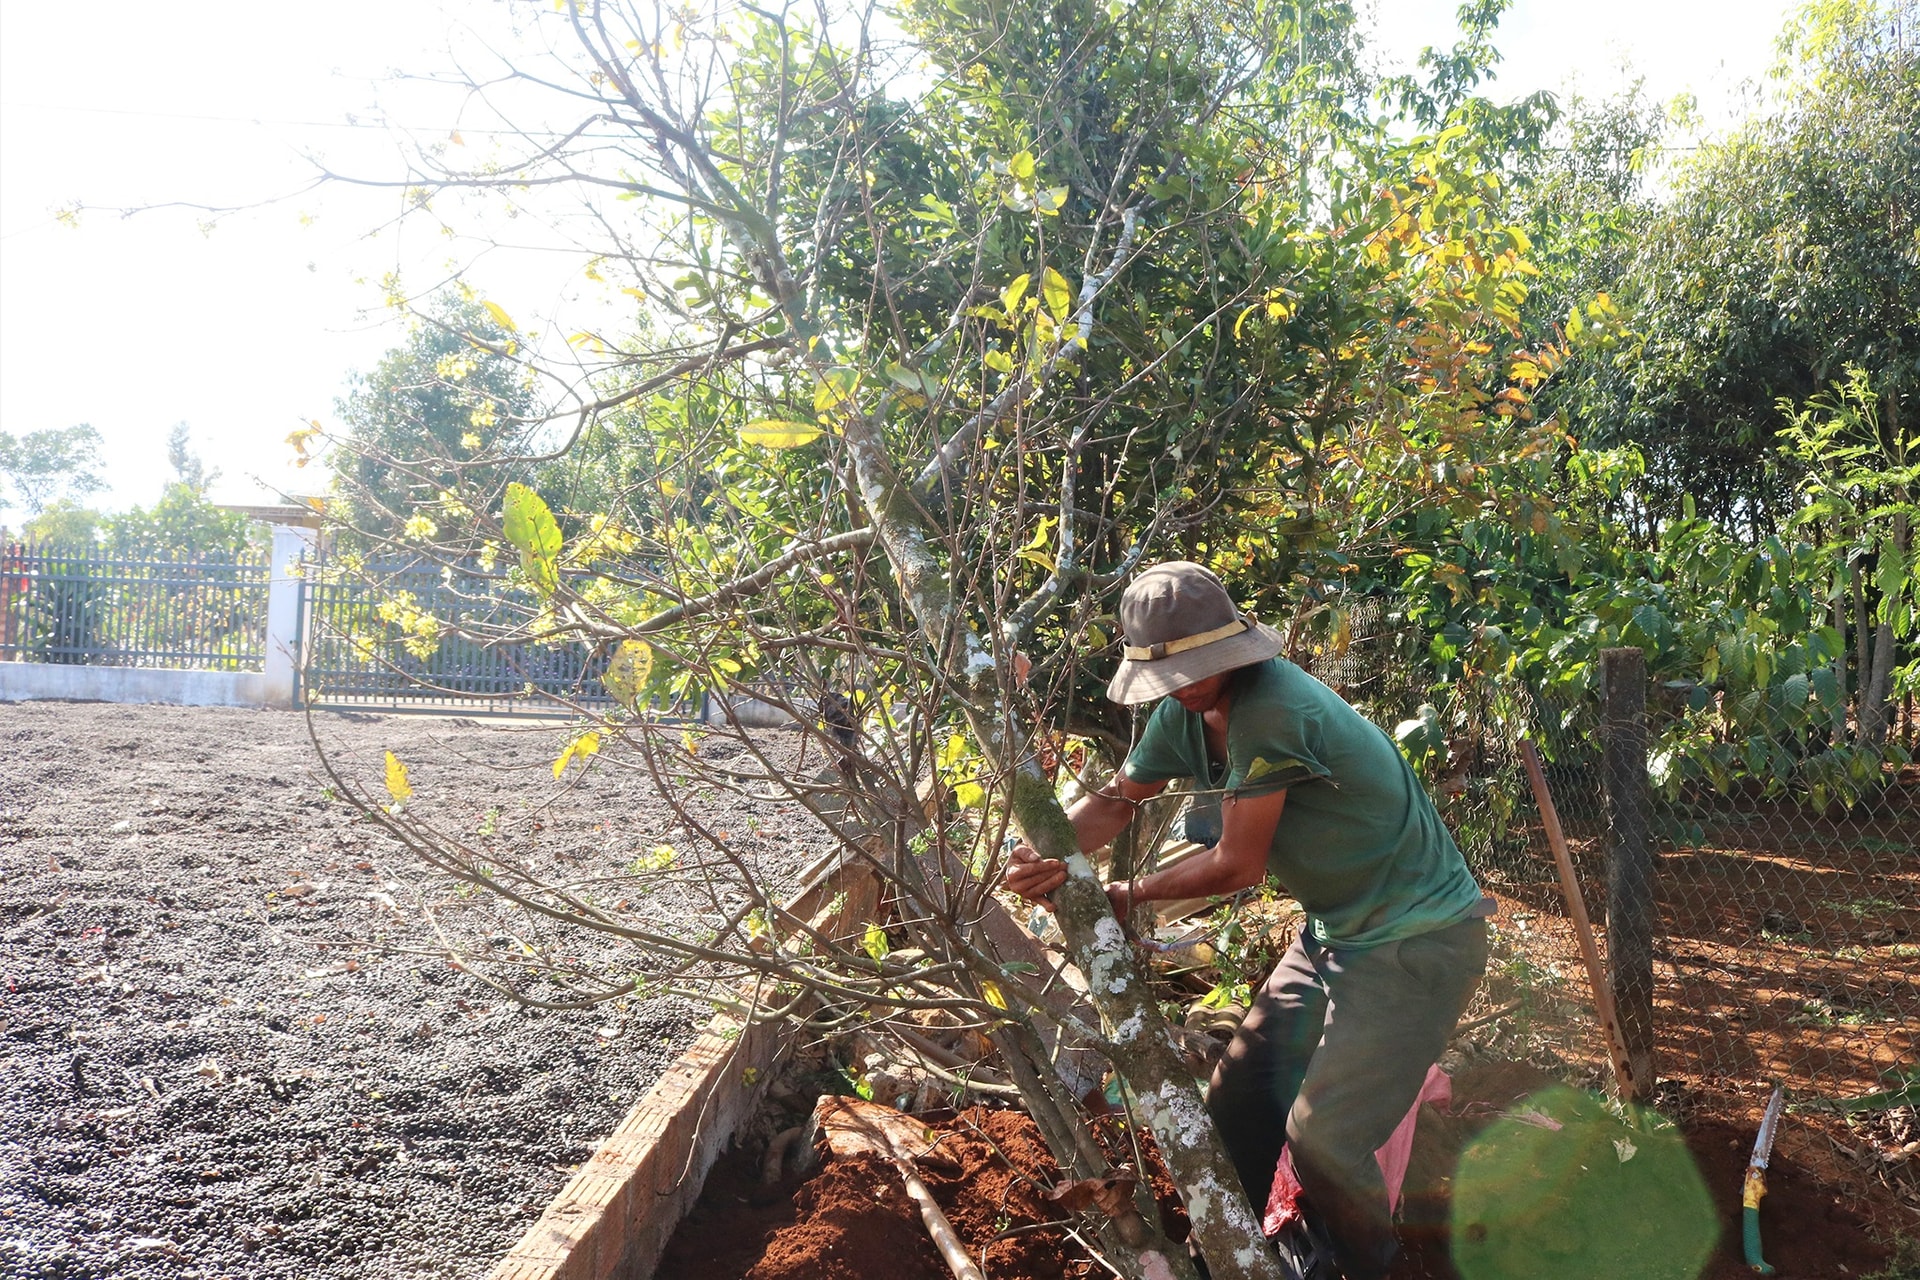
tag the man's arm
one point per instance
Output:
(1097, 818)
(1237, 862)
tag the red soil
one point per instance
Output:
(853, 1220)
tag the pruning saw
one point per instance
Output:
(1756, 1182)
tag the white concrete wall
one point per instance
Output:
(748, 711)
(23, 681)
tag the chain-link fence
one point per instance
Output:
(1780, 938)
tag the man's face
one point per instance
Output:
(1202, 695)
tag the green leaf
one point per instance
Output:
(531, 529)
(1059, 295)
(1826, 687)
(934, 209)
(1051, 200)
(1890, 574)
(1021, 166)
(778, 433)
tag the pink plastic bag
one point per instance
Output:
(1283, 1204)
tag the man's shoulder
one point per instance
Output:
(1280, 683)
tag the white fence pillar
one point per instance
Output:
(290, 543)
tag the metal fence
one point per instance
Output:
(412, 635)
(1775, 939)
(131, 605)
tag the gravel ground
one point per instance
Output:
(213, 1063)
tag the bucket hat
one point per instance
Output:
(1181, 627)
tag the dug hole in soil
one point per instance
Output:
(208, 1069)
(854, 1221)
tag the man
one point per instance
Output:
(1339, 1039)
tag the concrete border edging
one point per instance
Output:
(614, 1217)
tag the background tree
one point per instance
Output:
(1786, 253)
(182, 522)
(188, 469)
(51, 465)
(451, 400)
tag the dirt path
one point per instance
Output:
(193, 1083)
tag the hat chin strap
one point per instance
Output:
(1167, 648)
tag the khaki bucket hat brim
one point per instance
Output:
(1182, 662)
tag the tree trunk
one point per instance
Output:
(1142, 1049)
(1139, 1042)
(1876, 682)
(1840, 662)
(1862, 654)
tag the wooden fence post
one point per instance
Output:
(1630, 857)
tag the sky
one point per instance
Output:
(249, 324)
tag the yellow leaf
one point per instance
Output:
(875, 942)
(580, 748)
(1021, 166)
(627, 672)
(1059, 295)
(298, 440)
(835, 387)
(954, 752)
(500, 316)
(776, 433)
(397, 785)
(991, 991)
(659, 858)
(1010, 296)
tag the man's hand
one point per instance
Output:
(1032, 876)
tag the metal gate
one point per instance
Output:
(398, 634)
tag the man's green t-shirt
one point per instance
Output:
(1359, 843)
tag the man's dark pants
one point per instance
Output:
(1329, 1060)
